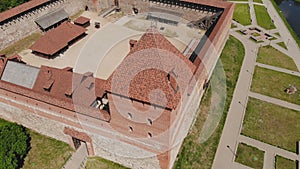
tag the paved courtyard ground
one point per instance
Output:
(102, 50)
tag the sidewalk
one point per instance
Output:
(275, 101)
(294, 73)
(230, 138)
(224, 158)
(78, 159)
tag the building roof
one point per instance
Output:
(143, 74)
(20, 74)
(57, 38)
(82, 20)
(52, 18)
(20, 9)
(82, 89)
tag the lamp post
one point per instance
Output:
(231, 151)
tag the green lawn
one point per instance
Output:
(255, 34)
(278, 34)
(283, 163)
(263, 18)
(271, 56)
(258, 1)
(272, 124)
(100, 163)
(194, 154)
(242, 14)
(46, 153)
(250, 156)
(233, 26)
(21, 45)
(274, 84)
(282, 44)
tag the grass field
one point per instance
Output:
(272, 124)
(271, 56)
(255, 34)
(250, 156)
(263, 18)
(273, 84)
(283, 163)
(278, 34)
(282, 44)
(194, 154)
(46, 152)
(258, 1)
(100, 163)
(242, 14)
(21, 45)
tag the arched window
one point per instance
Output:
(129, 115)
(150, 122)
(149, 135)
(130, 129)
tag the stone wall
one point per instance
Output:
(108, 145)
(24, 26)
(123, 153)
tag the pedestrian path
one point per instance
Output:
(252, 12)
(271, 150)
(291, 72)
(275, 101)
(230, 138)
(78, 159)
(233, 125)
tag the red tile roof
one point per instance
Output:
(20, 9)
(81, 20)
(152, 58)
(58, 38)
(83, 89)
(60, 82)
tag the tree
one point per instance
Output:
(14, 145)
(7, 4)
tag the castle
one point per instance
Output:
(141, 113)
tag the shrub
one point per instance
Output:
(14, 145)
(7, 4)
